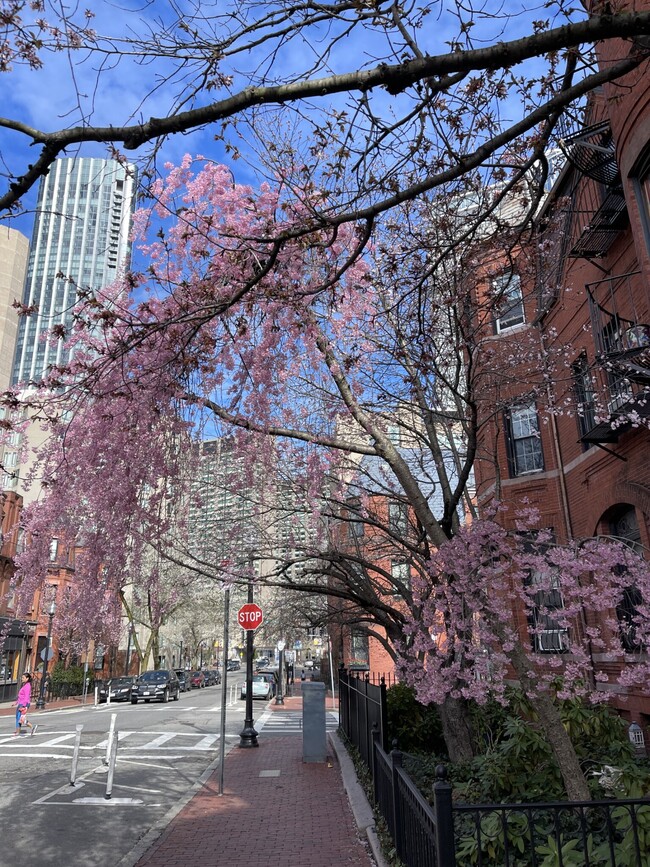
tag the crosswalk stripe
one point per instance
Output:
(157, 742)
(61, 739)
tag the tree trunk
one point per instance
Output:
(563, 749)
(457, 729)
(573, 777)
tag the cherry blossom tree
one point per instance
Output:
(310, 353)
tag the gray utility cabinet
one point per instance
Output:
(314, 743)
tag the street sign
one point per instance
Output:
(250, 616)
(50, 654)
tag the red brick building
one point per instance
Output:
(576, 444)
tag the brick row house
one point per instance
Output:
(575, 444)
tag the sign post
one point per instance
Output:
(249, 617)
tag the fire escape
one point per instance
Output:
(619, 306)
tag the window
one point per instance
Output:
(549, 635)
(400, 573)
(641, 181)
(359, 649)
(584, 396)
(625, 527)
(523, 441)
(509, 302)
(54, 549)
(397, 517)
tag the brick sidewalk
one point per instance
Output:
(275, 809)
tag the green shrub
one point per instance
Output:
(416, 727)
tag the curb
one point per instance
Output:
(361, 809)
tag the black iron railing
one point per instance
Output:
(437, 833)
(613, 833)
(362, 707)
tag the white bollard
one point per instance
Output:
(75, 755)
(111, 736)
(111, 768)
(96, 695)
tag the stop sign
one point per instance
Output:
(250, 616)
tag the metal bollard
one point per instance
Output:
(75, 755)
(111, 768)
(96, 695)
(111, 736)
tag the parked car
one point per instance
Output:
(262, 662)
(159, 685)
(183, 679)
(215, 676)
(233, 665)
(210, 679)
(197, 680)
(261, 688)
(119, 689)
(271, 676)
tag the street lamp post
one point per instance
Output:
(40, 704)
(248, 735)
(279, 698)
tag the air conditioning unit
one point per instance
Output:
(552, 641)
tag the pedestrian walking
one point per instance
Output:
(22, 704)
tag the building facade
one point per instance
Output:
(574, 444)
(79, 242)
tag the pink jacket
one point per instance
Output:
(24, 695)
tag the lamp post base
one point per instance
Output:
(248, 737)
(40, 704)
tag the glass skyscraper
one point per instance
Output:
(80, 241)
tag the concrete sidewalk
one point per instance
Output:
(275, 808)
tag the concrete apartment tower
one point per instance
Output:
(14, 250)
(80, 239)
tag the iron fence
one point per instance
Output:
(362, 707)
(422, 833)
(439, 833)
(613, 833)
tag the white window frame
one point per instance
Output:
(504, 289)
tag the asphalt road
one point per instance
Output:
(163, 749)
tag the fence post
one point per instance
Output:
(383, 715)
(373, 768)
(395, 764)
(442, 808)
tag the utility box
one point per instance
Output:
(314, 742)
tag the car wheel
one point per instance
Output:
(165, 696)
(178, 695)
(134, 701)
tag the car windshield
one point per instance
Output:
(153, 676)
(121, 681)
(259, 678)
(196, 674)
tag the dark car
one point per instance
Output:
(119, 689)
(215, 676)
(183, 680)
(210, 679)
(197, 680)
(233, 665)
(160, 685)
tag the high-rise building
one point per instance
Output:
(14, 249)
(80, 241)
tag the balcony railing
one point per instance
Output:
(619, 308)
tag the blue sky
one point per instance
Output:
(47, 98)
